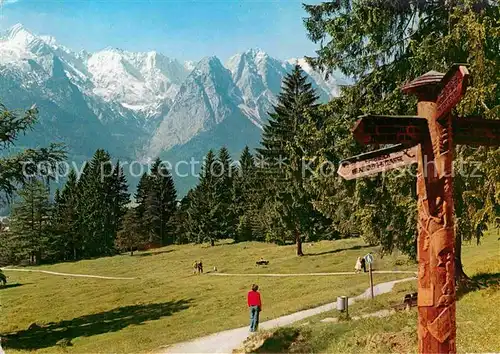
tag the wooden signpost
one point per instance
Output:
(433, 134)
(377, 161)
(476, 131)
(372, 129)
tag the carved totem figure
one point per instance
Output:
(432, 132)
(436, 237)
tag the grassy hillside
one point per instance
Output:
(477, 317)
(166, 303)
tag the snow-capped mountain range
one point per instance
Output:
(140, 105)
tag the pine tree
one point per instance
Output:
(142, 194)
(130, 237)
(65, 221)
(30, 221)
(95, 206)
(14, 169)
(204, 204)
(225, 172)
(84, 206)
(284, 155)
(181, 223)
(243, 195)
(56, 248)
(160, 204)
(120, 198)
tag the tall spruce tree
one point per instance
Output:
(65, 238)
(186, 225)
(30, 221)
(95, 206)
(130, 237)
(160, 204)
(243, 204)
(225, 172)
(141, 194)
(283, 153)
(57, 247)
(181, 221)
(120, 198)
(204, 215)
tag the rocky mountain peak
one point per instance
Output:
(160, 104)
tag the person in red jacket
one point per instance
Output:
(255, 305)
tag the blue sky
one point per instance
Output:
(184, 29)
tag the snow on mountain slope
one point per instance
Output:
(36, 69)
(205, 99)
(139, 81)
(33, 56)
(140, 105)
(258, 76)
(147, 98)
(189, 65)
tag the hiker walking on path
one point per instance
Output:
(363, 264)
(357, 267)
(195, 267)
(255, 306)
(200, 267)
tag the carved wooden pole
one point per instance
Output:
(436, 236)
(431, 133)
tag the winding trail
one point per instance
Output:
(308, 274)
(226, 341)
(66, 274)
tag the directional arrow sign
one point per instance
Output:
(408, 130)
(476, 131)
(377, 161)
(454, 85)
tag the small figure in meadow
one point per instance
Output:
(195, 267)
(357, 267)
(200, 267)
(255, 306)
(363, 264)
(262, 261)
(3, 278)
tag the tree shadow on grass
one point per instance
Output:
(144, 254)
(13, 285)
(337, 250)
(478, 282)
(47, 335)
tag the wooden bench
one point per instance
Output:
(410, 300)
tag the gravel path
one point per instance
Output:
(308, 274)
(226, 341)
(65, 274)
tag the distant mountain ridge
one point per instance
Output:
(140, 105)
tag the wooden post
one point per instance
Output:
(432, 131)
(436, 234)
(371, 279)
